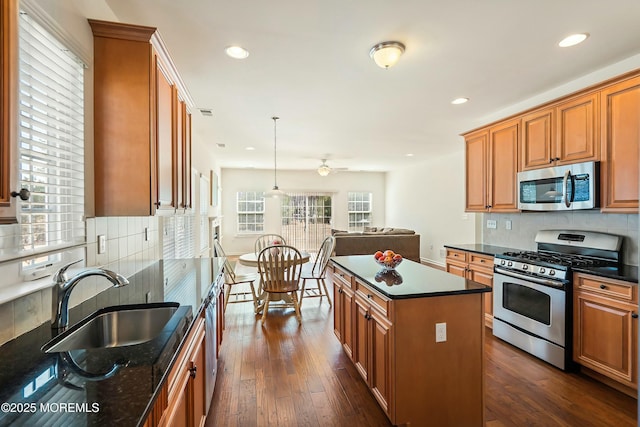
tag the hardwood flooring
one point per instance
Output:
(290, 375)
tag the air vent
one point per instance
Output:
(221, 145)
(207, 112)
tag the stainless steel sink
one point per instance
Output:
(115, 327)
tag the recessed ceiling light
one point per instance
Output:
(236, 52)
(573, 40)
(250, 148)
(458, 101)
(409, 154)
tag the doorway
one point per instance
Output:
(306, 219)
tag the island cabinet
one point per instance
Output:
(416, 379)
(141, 141)
(620, 106)
(476, 267)
(491, 168)
(605, 330)
(181, 401)
(343, 293)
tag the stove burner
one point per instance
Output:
(566, 260)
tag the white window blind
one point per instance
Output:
(360, 208)
(51, 141)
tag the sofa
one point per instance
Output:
(372, 239)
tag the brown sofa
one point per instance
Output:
(400, 240)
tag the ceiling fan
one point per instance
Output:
(324, 169)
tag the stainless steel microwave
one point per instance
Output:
(560, 188)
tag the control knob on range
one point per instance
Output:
(552, 272)
(542, 270)
(503, 262)
(525, 266)
(509, 264)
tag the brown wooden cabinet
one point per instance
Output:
(8, 98)
(476, 267)
(537, 139)
(343, 297)
(620, 124)
(491, 168)
(140, 124)
(605, 328)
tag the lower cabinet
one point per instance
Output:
(606, 329)
(343, 294)
(476, 267)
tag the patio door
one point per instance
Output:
(306, 219)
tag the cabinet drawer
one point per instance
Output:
(377, 300)
(342, 276)
(455, 254)
(483, 261)
(609, 287)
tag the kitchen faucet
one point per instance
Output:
(63, 287)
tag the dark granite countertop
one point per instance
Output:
(409, 279)
(482, 248)
(70, 389)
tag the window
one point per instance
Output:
(250, 211)
(359, 206)
(51, 144)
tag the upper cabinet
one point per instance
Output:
(8, 98)
(561, 134)
(601, 123)
(492, 167)
(620, 122)
(139, 109)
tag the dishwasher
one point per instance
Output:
(211, 340)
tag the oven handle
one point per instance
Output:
(565, 182)
(547, 282)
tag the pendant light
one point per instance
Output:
(275, 191)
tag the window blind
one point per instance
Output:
(51, 141)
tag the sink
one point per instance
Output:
(116, 326)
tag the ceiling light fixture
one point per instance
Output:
(324, 169)
(386, 54)
(275, 191)
(459, 101)
(236, 52)
(573, 40)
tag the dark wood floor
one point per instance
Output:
(285, 375)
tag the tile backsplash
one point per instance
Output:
(525, 225)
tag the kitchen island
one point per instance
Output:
(416, 336)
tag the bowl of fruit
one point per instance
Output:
(388, 259)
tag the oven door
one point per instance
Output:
(536, 308)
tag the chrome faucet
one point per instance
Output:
(63, 287)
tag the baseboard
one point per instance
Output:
(432, 263)
(610, 382)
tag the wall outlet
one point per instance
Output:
(441, 332)
(465, 216)
(102, 243)
(443, 253)
(507, 224)
(492, 223)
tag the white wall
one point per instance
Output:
(429, 198)
(339, 184)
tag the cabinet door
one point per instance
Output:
(348, 331)
(219, 322)
(178, 141)
(8, 98)
(197, 387)
(503, 167)
(476, 171)
(380, 376)
(576, 130)
(537, 134)
(165, 142)
(361, 356)
(606, 337)
(620, 123)
(177, 413)
(457, 269)
(186, 151)
(338, 312)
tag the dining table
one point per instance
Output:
(251, 259)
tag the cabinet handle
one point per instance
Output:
(192, 371)
(634, 315)
(24, 194)
(367, 316)
(369, 296)
(557, 158)
(340, 290)
(603, 286)
(158, 203)
(482, 261)
(551, 160)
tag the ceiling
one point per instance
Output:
(309, 64)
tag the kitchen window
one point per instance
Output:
(360, 206)
(50, 145)
(250, 209)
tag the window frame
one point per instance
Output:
(362, 197)
(257, 199)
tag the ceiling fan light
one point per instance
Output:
(386, 54)
(324, 170)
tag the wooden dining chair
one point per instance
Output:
(317, 271)
(280, 267)
(231, 279)
(268, 240)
